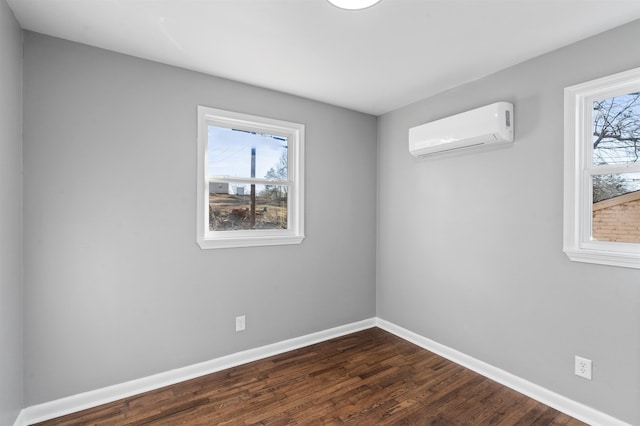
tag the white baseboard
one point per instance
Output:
(20, 420)
(71, 404)
(572, 408)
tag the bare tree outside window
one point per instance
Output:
(616, 130)
(278, 173)
(616, 141)
(616, 146)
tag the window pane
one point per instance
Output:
(616, 130)
(616, 207)
(231, 207)
(232, 152)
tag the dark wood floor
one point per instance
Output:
(366, 378)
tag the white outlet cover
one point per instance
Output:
(240, 323)
(583, 367)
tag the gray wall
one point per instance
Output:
(10, 216)
(470, 246)
(115, 286)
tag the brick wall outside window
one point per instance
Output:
(617, 219)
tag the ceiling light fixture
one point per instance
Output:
(353, 4)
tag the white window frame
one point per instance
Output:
(294, 132)
(579, 168)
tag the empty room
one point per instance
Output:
(359, 212)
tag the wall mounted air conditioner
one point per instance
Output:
(488, 125)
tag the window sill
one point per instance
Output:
(604, 257)
(258, 241)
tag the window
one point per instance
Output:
(250, 180)
(602, 170)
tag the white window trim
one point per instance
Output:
(578, 244)
(295, 217)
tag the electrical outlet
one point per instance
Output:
(240, 323)
(583, 367)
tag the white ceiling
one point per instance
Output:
(374, 60)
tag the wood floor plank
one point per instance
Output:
(367, 378)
